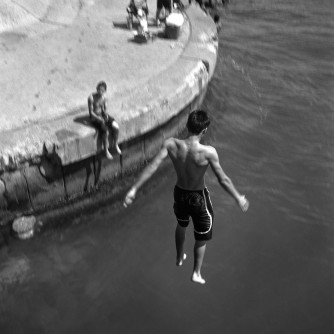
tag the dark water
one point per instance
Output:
(270, 270)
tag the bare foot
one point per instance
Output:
(108, 155)
(197, 278)
(180, 262)
(118, 149)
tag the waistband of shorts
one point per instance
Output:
(190, 190)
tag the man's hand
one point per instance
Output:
(243, 203)
(130, 196)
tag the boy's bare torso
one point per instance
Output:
(190, 160)
(98, 104)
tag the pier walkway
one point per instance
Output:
(52, 54)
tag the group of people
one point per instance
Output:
(139, 9)
(135, 6)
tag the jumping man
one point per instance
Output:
(191, 197)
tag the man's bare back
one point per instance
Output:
(190, 160)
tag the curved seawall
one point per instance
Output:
(55, 159)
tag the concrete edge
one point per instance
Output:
(69, 163)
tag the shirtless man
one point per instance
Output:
(97, 107)
(191, 197)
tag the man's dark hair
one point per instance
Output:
(101, 84)
(198, 120)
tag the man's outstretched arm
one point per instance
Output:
(225, 181)
(148, 171)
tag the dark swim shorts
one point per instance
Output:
(103, 127)
(197, 205)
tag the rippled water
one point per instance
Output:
(269, 270)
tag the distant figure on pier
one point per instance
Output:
(218, 22)
(191, 196)
(97, 107)
(167, 5)
(211, 7)
(139, 10)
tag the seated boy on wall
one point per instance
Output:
(97, 107)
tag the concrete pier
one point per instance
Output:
(52, 56)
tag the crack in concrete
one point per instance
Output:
(44, 18)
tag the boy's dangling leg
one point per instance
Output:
(106, 145)
(115, 132)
